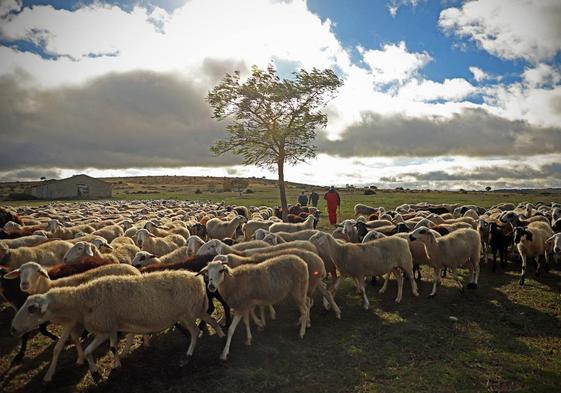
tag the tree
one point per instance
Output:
(488, 188)
(273, 121)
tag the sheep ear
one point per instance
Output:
(43, 272)
(12, 275)
(202, 271)
(44, 306)
(109, 246)
(89, 250)
(550, 240)
(339, 225)
(151, 234)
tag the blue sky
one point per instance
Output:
(430, 88)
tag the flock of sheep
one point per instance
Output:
(100, 269)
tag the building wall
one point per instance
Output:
(68, 188)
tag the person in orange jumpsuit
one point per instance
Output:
(333, 203)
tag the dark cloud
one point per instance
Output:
(515, 172)
(32, 174)
(134, 119)
(474, 132)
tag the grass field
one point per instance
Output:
(498, 338)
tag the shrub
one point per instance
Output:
(198, 191)
(249, 191)
(369, 191)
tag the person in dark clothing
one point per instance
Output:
(303, 199)
(333, 203)
(314, 197)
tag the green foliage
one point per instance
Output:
(272, 121)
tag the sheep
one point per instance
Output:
(338, 234)
(218, 229)
(45, 254)
(129, 304)
(266, 283)
(251, 226)
(530, 242)
(554, 243)
(214, 247)
(372, 235)
(110, 232)
(13, 295)
(25, 241)
(8, 215)
(193, 244)
(500, 237)
(193, 264)
(143, 258)
(197, 229)
(452, 250)
(159, 231)
(366, 210)
(350, 231)
(290, 227)
(374, 258)
(305, 234)
(316, 271)
(58, 231)
(514, 219)
(158, 245)
(468, 220)
(121, 248)
(259, 234)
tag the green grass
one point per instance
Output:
(506, 338)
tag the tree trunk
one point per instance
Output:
(282, 191)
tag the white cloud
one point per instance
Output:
(394, 63)
(454, 89)
(394, 5)
(542, 74)
(478, 74)
(528, 29)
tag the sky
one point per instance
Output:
(438, 94)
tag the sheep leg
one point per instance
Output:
(129, 341)
(231, 330)
(457, 278)
(97, 341)
(248, 336)
(256, 319)
(45, 332)
(227, 312)
(272, 312)
(328, 297)
(262, 315)
(194, 332)
(399, 278)
(22, 349)
(212, 322)
(414, 289)
(474, 274)
(366, 302)
(523, 273)
(75, 335)
(336, 284)
(67, 329)
(417, 271)
(113, 345)
(385, 286)
(303, 308)
(435, 280)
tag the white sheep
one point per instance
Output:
(193, 244)
(366, 210)
(218, 229)
(144, 258)
(158, 245)
(452, 250)
(530, 242)
(293, 227)
(59, 231)
(110, 232)
(373, 235)
(24, 241)
(375, 258)
(34, 279)
(251, 226)
(214, 247)
(260, 234)
(129, 304)
(266, 283)
(46, 254)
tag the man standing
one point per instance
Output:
(314, 198)
(333, 203)
(303, 199)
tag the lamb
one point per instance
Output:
(251, 226)
(218, 229)
(110, 232)
(266, 283)
(46, 254)
(130, 304)
(316, 271)
(158, 245)
(25, 241)
(530, 242)
(453, 250)
(193, 244)
(290, 227)
(375, 258)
